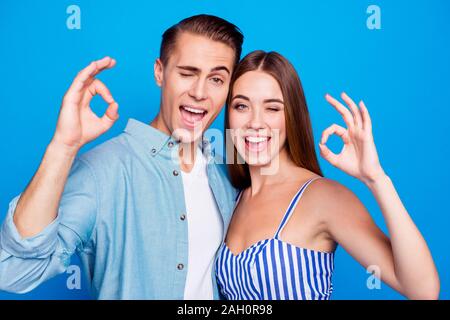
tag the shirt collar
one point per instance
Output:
(152, 139)
(155, 140)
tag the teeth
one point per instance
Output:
(194, 110)
(256, 139)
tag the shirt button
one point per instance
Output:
(175, 173)
(180, 266)
(170, 144)
(183, 217)
(153, 150)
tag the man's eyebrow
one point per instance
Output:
(240, 96)
(189, 68)
(197, 70)
(220, 68)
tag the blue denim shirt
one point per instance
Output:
(121, 213)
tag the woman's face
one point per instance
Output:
(256, 118)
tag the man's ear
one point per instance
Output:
(158, 70)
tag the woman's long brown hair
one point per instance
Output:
(299, 136)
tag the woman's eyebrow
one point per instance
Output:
(240, 96)
(273, 100)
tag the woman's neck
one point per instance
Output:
(280, 170)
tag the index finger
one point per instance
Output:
(345, 113)
(91, 70)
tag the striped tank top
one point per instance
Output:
(272, 269)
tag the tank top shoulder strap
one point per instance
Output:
(295, 200)
(238, 197)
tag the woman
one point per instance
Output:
(288, 218)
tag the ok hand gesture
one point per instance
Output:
(77, 123)
(358, 157)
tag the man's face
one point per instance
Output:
(194, 85)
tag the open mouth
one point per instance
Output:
(191, 115)
(256, 143)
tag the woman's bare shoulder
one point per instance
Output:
(330, 196)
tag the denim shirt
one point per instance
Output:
(122, 212)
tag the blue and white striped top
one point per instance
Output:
(272, 269)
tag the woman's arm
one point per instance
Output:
(405, 261)
(414, 266)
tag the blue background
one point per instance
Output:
(401, 71)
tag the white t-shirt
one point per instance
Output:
(205, 230)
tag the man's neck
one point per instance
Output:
(187, 155)
(158, 123)
(187, 151)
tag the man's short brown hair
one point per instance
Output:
(213, 27)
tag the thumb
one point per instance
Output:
(110, 116)
(327, 154)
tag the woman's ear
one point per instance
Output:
(158, 70)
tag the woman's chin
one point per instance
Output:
(258, 161)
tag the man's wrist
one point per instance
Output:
(58, 149)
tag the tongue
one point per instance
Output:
(190, 116)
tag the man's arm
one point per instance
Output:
(25, 263)
(77, 125)
(38, 204)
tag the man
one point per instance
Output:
(144, 213)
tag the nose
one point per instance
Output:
(198, 90)
(256, 121)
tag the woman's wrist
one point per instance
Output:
(375, 181)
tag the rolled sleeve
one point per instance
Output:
(27, 262)
(39, 246)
